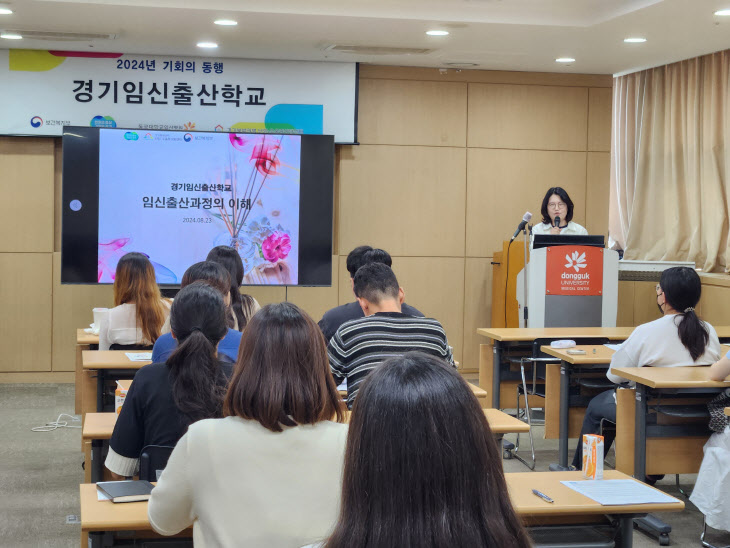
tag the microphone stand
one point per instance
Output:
(524, 278)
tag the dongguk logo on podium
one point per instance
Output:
(576, 261)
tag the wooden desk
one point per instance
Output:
(595, 355)
(97, 428)
(107, 364)
(104, 515)
(727, 411)
(490, 355)
(652, 381)
(84, 384)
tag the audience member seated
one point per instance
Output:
(335, 317)
(216, 276)
(678, 338)
(140, 314)
(421, 466)
(713, 481)
(360, 345)
(243, 306)
(165, 398)
(269, 473)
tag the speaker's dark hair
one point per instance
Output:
(414, 419)
(682, 290)
(198, 320)
(559, 191)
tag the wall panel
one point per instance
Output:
(599, 119)
(597, 192)
(26, 182)
(317, 300)
(527, 117)
(406, 200)
(503, 184)
(402, 112)
(72, 309)
(477, 307)
(26, 304)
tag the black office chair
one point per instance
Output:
(152, 460)
(131, 347)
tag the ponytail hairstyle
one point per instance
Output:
(198, 321)
(243, 306)
(134, 283)
(682, 290)
(413, 418)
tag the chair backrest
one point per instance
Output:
(152, 460)
(130, 347)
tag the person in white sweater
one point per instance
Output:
(678, 338)
(269, 472)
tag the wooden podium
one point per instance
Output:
(505, 311)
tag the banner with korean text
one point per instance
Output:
(42, 91)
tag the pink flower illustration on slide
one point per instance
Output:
(277, 246)
(237, 141)
(265, 158)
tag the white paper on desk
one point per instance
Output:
(343, 386)
(139, 356)
(619, 492)
(613, 347)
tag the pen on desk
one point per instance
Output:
(543, 496)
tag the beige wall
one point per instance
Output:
(446, 166)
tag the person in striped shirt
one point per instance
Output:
(361, 345)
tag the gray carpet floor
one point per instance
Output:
(40, 473)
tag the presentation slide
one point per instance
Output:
(241, 190)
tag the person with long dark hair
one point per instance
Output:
(557, 215)
(243, 306)
(140, 313)
(678, 338)
(421, 465)
(269, 473)
(166, 398)
(216, 276)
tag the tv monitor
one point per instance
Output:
(550, 240)
(174, 195)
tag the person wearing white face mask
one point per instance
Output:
(557, 215)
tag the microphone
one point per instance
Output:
(525, 219)
(556, 222)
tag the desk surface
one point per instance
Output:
(108, 359)
(104, 515)
(82, 337)
(567, 501)
(532, 333)
(727, 411)
(670, 377)
(595, 354)
(98, 426)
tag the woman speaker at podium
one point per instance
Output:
(557, 215)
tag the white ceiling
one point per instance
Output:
(495, 34)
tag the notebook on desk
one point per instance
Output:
(126, 491)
